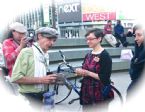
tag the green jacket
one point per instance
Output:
(24, 66)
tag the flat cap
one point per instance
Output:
(19, 27)
(48, 32)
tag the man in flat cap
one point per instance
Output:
(32, 65)
(14, 43)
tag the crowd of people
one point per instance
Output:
(28, 65)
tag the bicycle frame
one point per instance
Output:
(66, 81)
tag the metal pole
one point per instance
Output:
(42, 15)
(53, 14)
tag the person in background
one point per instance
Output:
(138, 60)
(119, 33)
(96, 71)
(31, 69)
(108, 34)
(130, 33)
(15, 42)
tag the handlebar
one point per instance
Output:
(65, 63)
(63, 56)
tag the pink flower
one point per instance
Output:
(96, 59)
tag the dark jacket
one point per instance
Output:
(119, 29)
(137, 62)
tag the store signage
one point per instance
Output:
(68, 8)
(69, 12)
(99, 16)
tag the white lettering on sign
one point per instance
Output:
(68, 8)
(99, 16)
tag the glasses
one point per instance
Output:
(90, 39)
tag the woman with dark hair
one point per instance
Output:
(96, 72)
(138, 60)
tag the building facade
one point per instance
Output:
(72, 17)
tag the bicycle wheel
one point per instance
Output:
(62, 88)
(62, 93)
(118, 96)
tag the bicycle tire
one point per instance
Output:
(62, 95)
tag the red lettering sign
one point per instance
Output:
(99, 16)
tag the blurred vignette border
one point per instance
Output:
(134, 104)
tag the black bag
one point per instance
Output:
(5, 70)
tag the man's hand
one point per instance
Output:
(23, 42)
(48, 79)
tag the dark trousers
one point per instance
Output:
(35, 99)
(131, 87)
(122, 39)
